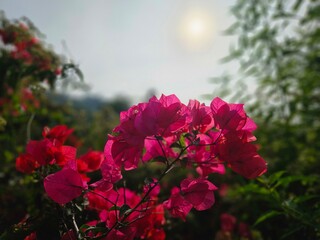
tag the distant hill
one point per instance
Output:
(90, 103)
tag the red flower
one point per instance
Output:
(110, 174)
(127, 129)
(64, 185)
(156, 234)
(159, 148)
(32, 236)
(58, 134)
(241, 156)
(163, 117)
(25, 163)
(228, 222)
(41, 151)
(244, 230)
(91, 161)
(228, 116)
(198, 192)
(156, 188)
(202, 119)
(202, 154)
(177, 205)
(122, 153)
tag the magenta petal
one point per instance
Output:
(216, 104)
(69, 154)
(177, 205)
(198, 192)
(64, 186)
(39, 151)
(206, 203)
(251, 167)
(102, 185)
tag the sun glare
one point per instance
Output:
(196, 27)
(196, 30)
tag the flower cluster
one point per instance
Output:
(26, 62)
(230, 229)
(203, 139)
(22, 45)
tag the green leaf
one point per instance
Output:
(288, 233)
(304, 198)
(275, 177)
(114, 208)
(3, 123)
(176, 145)
(267, 216)
(84, 226)
(124, 210)
(161, 159)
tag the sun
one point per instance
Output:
(196, 30)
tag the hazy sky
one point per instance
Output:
(127, 47)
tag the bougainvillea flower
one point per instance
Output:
(227, 222)
(201, 115)
(110, 218)
(228, 116)
(58, 134)
(162, 117)
(64, 185)
(246, 132)
(204, 169)
(158, 216)
(202, 154)
(244, 231)
(176, 205)
(156, 234)
(126, 233)
(32, 236)
(122, 153)
(223, 190)
(150, 223)
(159, 148)
(198, 192)
(241, 157)
(91, 161)
(25, 163)
(128, 197)
(127, 129)
(250, 167)
(98, 200)
(155, 188)
(40, 151)
(110, 175)
(202, 150)
(64, 154)
(44, 152)
(27, 99)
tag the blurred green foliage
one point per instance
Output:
(278, 52)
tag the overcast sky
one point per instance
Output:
(127, 47)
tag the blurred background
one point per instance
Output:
(81, 63)
(135, 48)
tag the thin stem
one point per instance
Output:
(98, 194)
(29, 127)
(75, 226)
